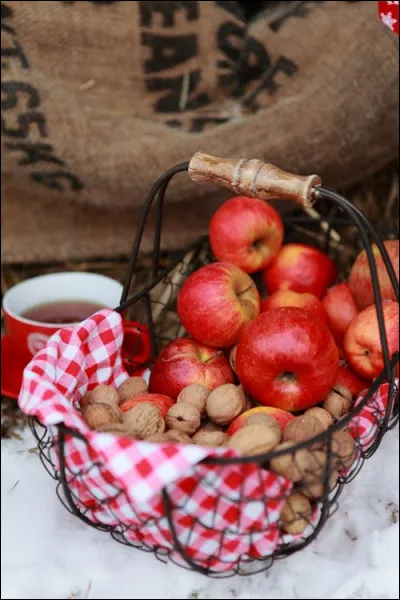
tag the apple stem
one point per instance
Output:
(238, 294)
(219, 353)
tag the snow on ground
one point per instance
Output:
(47, 553)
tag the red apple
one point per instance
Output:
(362, 342)
(300, 268)
(281, 416)
(216, 303)
(341, 308)
(347, 378)
(185, 361)
(162, 402)
(360, 275)
(287, 358)
(246, 232)
(289, 298)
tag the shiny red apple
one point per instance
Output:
(341, 308)
(346, 377)
(360, 276)
(290, 298)
(287, 358)
(362, 342)
(216, 303)
(300, 268)
(246, 232)
(184, 362)
(162, 402)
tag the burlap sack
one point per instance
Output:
(99, 98)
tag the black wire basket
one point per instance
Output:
(341, 230)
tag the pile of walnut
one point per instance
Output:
(202, 417)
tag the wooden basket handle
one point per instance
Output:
(252, 177)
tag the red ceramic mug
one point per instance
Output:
(25, 336)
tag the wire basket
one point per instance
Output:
(222, 515)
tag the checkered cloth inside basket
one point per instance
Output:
(219, 512)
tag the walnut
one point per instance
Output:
(158, 438)
(323, 415)
(254, 439)
(178, 436)
(232, 358)
(196, 395)
(115, 428)
(131, 387)
(339, 401)
(102, 393)
(314, 489)
(292, 465)
(225, 403)
(256, 418)
(295, 514)
(210, 426)
(143, 420)
(183, 417)
(210, 438)
(86, 400)
(100, 415)
(302, 428)
(344, 449)
(315, 474)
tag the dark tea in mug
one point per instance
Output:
(62, 312)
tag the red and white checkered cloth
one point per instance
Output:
(220, 513)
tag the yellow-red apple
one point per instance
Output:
(287, 358)
(246, 232)
(341, 308)
(360, 276)
(162, 402)
(184, 362)
(282, 417)
(300, 268)
(362, 342)
(216, 302)
(290, 298)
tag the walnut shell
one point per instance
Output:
(210, 426)
(316, 490)
(252, 440)
(232, 358)
(196, 395)
(178, 436)
(292, 465)
(100, 415)
(131, 387)
(210, 438)
(339, 401)
(344, 449)
(158, 438)
(86, 400)
(302, 428)
(315, 474)
(115, 428)
(104, 394)
(225, 403)
(296, 513)
(183, 417)
(265, 420)
(323, 415)
(143, 420)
